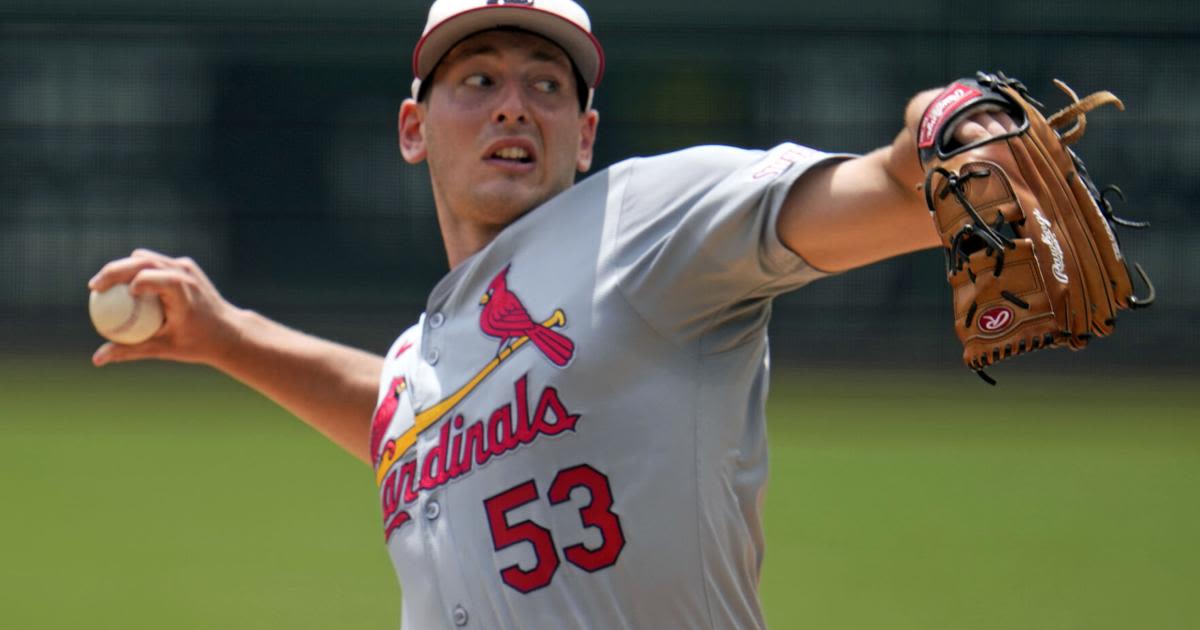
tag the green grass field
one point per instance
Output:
(162, 496)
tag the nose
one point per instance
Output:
(511, 107)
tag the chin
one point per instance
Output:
(502, 209)
(504, 201)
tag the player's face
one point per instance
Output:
(501, 127)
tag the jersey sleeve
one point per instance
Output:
(696, 243)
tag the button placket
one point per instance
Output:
(432, 322)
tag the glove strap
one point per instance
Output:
(961, 99)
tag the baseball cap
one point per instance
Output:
(561, 21)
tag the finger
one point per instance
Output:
(971, 131)
(103, 355)
(143, 252)
(186, 263)
(158, 280)
(120, 271)
(1007, 122)
(172, 288)
(994, 126)
(110, 352)
(193, 269)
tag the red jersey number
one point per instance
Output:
(505, 535)
(596, 514)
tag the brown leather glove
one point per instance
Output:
(1031, 253)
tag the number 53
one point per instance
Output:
(598, 513)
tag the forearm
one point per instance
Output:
(857, 212)
(330, 386)
(863, 210)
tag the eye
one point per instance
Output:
(548, 86)
(478, 80)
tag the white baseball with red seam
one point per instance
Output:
(125, 318)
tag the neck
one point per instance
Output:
(463, 238)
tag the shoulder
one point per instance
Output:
(684, 174)
(712, 157)
(684, 166)
(710, 165)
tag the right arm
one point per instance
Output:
(330, 386)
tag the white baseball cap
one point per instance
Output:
(561, 21)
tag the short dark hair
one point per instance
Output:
(581, 86)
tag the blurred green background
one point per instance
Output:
(257, 137)
(150, 496)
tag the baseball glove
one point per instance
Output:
(1031, 252)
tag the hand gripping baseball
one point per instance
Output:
(198, 326)
(1031, 252)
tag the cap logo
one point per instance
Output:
(527, 3)
(996, 319)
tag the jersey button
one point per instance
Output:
(460, 616)
(432, 510)
(432, 357)
(437, 319)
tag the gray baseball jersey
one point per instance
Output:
(573, 435)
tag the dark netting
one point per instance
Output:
(260, 140)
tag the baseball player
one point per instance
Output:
(573, 433)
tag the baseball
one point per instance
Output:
(125, 318)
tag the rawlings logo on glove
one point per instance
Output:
(945, 104)
(1030, 251)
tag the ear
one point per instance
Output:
(411, 128)
(587, 139)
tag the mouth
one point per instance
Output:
(513, 154)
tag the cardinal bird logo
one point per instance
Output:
(383, 417)
(505, 318)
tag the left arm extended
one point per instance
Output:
(860, 211)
